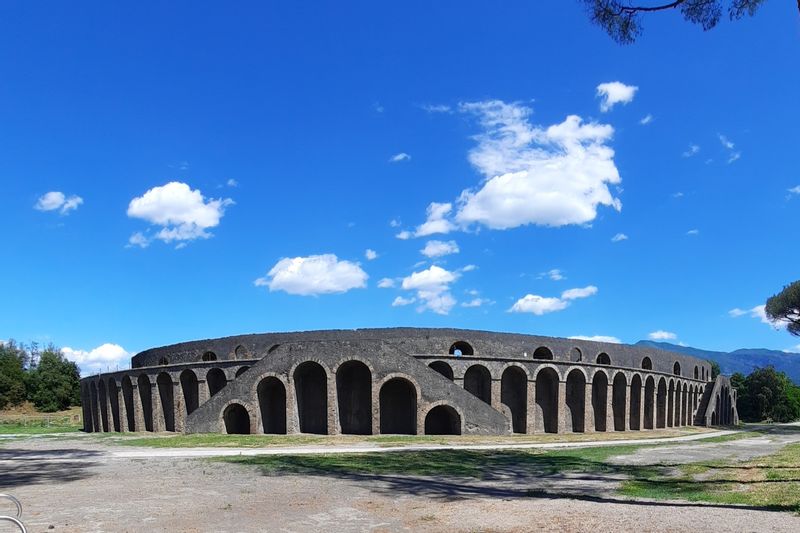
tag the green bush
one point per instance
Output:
(12, 375)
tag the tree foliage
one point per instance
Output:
(715, 369)
(45, 377)
(621, 19)
(12, 375)
(784, 307)
(766, 394)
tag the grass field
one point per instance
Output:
(26, 420)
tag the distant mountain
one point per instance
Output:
(743, 360)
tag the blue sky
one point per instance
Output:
(224, 170)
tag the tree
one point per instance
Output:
(12, 374)
(54, 384)
(715, 369)
(784, 307)
(621, 19)
(767, 394)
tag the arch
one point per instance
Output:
(678, 405)
(575, 355)
(398, 407)
(649, 402)
(514, 394)
(671, 404)
(241, 370)
(271, 394)
(696, 372)
(165, 393)
(354, 392)
(95, 415)
(676, 368)
(103, 405)
(600, 400)
(190, 389)
(478, 381)
(576, 401)
(146, 396)
(209, 356)
(547, 400)
(703, 373)
(311, 393)
(273, 348)
(661, 404)
(127, 399)
(216, 381)
(634, 420)
(685, 405)
(164, 361)
(240, 352)
(603, 359)
(647, 363)
(236, 419)
(619, 398)
(442, 368)
(113, 396)
(461, 348)
(543, 352)
(443, 420)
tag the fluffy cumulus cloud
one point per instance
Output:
(541, 305)
(178, 212)
(759, 312)
(597, 338)
(370, 254)
(432, 288)
(397, 158)
(314, 275)
(386, 283)
(58, 201)
(661, 335)
(615, 92)
(104, 357)
(401, 302)
(439, 248)
(794, 190)
(554, 274)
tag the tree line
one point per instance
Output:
(43, 377)
(766, 394)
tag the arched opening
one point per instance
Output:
(676, 368)
(514, 394)
(543, 352)
(240, 352)
(442, 368)
(671, 404)
(576, 401)
(127, 398)
(442, 420)
(634, 421)
(696, 372)
(354, 391)
(113, 396)
(703, 373)
(647, 364)
(649, 402)
(661, 404)
(163, 361)
(241, 370)
(191, 391)
(618, 400)
(478, 381)
(575, 355)
(685, 406)
(461, 348)
(547, 401)
(311, 391)
(216, 381)
(103, 405)
(164, 382)
(603, 359)
(237, 420)
(600, 400)
(678, 397)
(398, 404)
(272, 404)
(146, 396)
(209, 356)
(96, 427)
(85, 409)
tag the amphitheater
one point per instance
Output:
(405, 381)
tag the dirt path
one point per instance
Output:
(78, 485)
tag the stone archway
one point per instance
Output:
(547, 401)
(576, 401)
(236, 419)
(442, 420)
(398, 407)
(165, 394)
(634, 421)
(311, 393)
(442, 368)
(600, 400)
(478, 381)
(514, 394)
(354, 393)
(190, 389)
(272, 403)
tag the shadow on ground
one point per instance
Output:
(27, 467)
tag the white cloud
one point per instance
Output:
(400, 301)
(58, 200)
(402, 156)
(394, 223)
(596, 338)
(183, 214)
(469, 268)
(370, 254)
(313, 275)
(647, 119)
(540, 305)
(677, 194)
(439, 248)
(138, 239)
(436, 108)
(404, 235)
(613, 93)
(691, 151)
(694, 231)
(736, 312)
(554, 274)
(232, 183)
(727, 143)
(104, 357)
(386, 283)
(734, 155)
(794, 190)
(758, 312)
(436, 221)
(662, 335)
(552, 176)
(477, 302)
(619, 237)
(432, 287)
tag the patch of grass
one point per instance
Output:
(28, 429)
(26, 420)
(734, 436)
